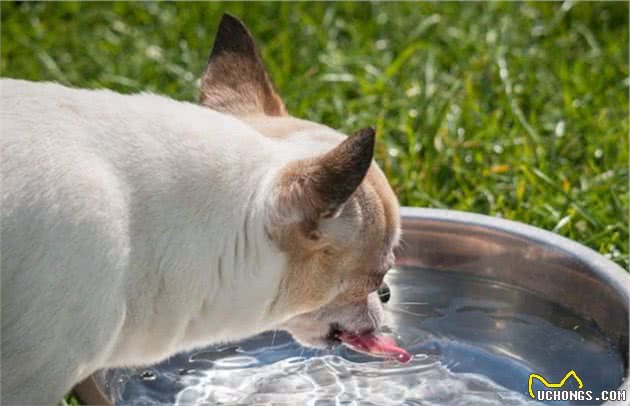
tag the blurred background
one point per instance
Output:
(517, 110)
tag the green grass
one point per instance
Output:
(518, 110)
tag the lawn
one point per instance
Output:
(518, 110)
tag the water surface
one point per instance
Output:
(474, 342)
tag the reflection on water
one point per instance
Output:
(475, 343)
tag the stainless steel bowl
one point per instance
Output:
(507, 252)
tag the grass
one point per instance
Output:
(518, 110)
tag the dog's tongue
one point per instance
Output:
(380, 346)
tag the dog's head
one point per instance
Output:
(332, 212)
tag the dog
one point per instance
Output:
(136, 226)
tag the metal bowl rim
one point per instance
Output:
(604, 267)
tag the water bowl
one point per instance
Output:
(494, 311)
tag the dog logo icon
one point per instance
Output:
(571, 373)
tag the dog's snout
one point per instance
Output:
(367, 331)
(384, 293)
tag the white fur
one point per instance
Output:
(132, 228)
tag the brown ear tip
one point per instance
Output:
(368, 133)
(370, 130)
(233, 36)
(230, 19)
(366, 138)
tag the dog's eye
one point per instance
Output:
(384, 293)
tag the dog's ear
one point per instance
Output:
(236, 80)
(316, 188)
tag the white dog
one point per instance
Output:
(135, 227)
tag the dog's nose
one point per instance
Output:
(384, 293)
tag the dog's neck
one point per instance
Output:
(198, 221)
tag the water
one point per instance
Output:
(474, 343)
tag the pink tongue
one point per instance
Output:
(380, 346)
